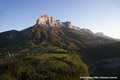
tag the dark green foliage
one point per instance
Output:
(104, 51)
(69, 45)
(40, 35)
(28, 68)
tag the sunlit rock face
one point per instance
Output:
(68, 24)
(49, 21)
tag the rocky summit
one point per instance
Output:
(49, 21)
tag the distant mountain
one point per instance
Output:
(100, 34)
(49, 31)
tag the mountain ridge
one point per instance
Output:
(46, 28)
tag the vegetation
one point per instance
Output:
(50, 53)
(44, 67)
(104, 51)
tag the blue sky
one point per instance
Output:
(96, 15)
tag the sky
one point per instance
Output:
(96, 15)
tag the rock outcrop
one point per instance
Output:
(49, 21)
(68, 24)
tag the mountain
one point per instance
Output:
(100, 34)
(49, 50)
(50, 30)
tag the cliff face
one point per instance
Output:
(50, 21)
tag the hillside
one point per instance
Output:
(50, 32)
(107, 51)
(43, 67)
